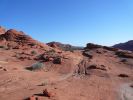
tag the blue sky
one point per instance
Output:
(77, 22)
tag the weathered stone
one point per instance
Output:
(88, 54)
(123, 75)
(46, 93)
(93, 46)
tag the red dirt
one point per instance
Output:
(77, 77)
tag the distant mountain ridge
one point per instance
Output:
(125, 46)
(65, 47)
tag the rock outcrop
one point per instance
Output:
(2, 30)
(64, 47)
(18, 39)
(17, 36)
(95, 46)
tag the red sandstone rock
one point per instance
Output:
(32, 98)
(46, 93)
(51, 59)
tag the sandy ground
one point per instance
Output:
(17, 83)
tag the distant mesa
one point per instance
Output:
(125, 46)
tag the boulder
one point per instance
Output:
(46, 93)
(123, 75)
(92, 46)
(94, 66)
(32, 98)
(87, 54)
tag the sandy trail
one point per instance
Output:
(126, 92)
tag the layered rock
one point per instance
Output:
(16, 39)
(17, 36)
(95, 46)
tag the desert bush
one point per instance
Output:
(36, 66)
(44, 83)
(33, 52)
(57, 60)
(2, 46)
(51, 52)
(88, 54)
(17, 55)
